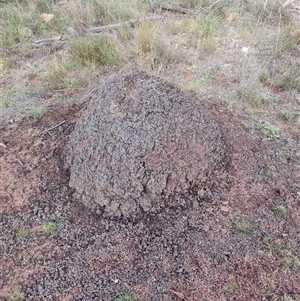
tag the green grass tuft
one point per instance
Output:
(270, 173)
(96, 51)
(230, 285)
(21, 234)
(280, 211)
(17, 295)
(124, 297)
(49, 228)
(269, 130)
(243, 225)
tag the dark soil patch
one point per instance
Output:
(185, 252)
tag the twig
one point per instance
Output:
(178, 294)
(46, 41)
(169, 7)
(214, 4)
(52, 128)
(87, 96)
(126, 23)
(286, 3)
(151, 3)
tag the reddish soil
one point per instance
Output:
(188, 251)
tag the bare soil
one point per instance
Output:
(187, 251)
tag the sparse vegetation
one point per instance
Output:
(243, 225)
(49, 228)
(277, 250)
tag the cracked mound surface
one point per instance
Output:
(139, 141)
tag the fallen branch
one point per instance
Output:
(168, 7)
(126, 23)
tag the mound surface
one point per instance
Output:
(139, 141)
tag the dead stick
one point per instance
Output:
(169, 7)
(55, 126)
(126, 23)
(46, 41)
(214, 4)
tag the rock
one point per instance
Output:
(47, 17)
(25, 32)
(245, 50)
(296, 35)
(224, 208)
(71, 32)
(139, 141)
(232, 16)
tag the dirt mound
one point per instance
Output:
(139, 141)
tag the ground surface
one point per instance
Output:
(186, 252)
(237, 240)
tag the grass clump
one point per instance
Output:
(49, 228)
(34, 112)
(269, 130)
(288, 79)
(270, 173)
(59, 75)
(21, 234)
(155, 51)
(266, 281)
(124, 297)
(96, 51)
(5, 98)
(17, 295)
(243, 225)
(146, 38)
(231, 285)
(280, 211)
